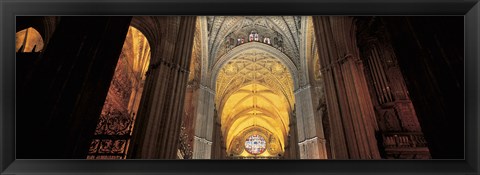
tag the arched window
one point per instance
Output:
(115, 126)
(28, 40)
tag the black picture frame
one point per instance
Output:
(9, 9)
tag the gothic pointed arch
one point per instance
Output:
(116, 123)
(29, 40)
(254, 88)
(44, 27)
(260, 48)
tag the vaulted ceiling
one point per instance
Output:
(254, 64)
(283, 31)
(254, 89)
(137, 53)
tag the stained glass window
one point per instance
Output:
(255, 144)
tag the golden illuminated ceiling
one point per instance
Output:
(136, 52)
(254, 86)
(254, 89)
(29, 38)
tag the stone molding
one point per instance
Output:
(203, 140)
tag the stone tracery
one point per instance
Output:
(281, 30)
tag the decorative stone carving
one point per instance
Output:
(227, 32)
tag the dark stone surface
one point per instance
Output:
(431, 58)
(59, 105)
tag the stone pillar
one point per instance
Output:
(349, 105)
(158, 124)
(189, 119)
(310, 143)
(202, 146)
(218, 142)
(205, 103)
(321, 118)
(291, 145)
(59, 105)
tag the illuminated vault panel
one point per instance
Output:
(254, 90)
(28, 40)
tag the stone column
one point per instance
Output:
(202, 146)
(217, 139)
(157, 128)
(291, 145)
(310, 142)
(349, 105)
(59, 105)
(321, 118)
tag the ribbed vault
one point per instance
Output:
(283, 32)
(254, 92)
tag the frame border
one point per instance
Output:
(9, 9)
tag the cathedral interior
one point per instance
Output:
(240, 87)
